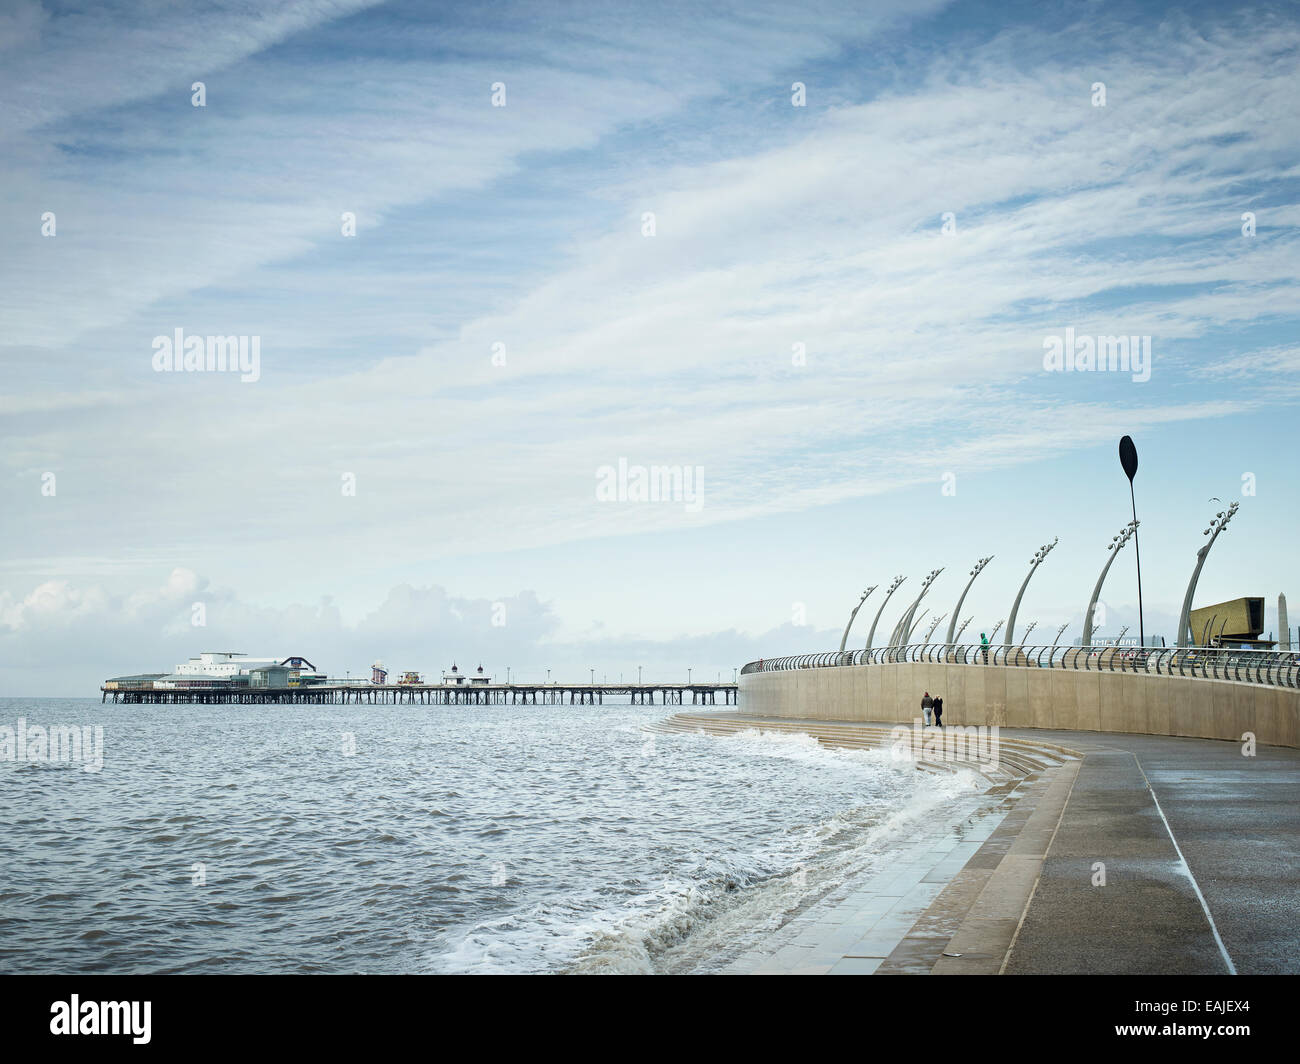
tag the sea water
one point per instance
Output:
(412, 839)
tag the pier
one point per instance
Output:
(496, 694)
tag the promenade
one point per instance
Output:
(1199, 847)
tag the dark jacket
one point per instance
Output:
(938, 706)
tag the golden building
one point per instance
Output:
(1237, 622)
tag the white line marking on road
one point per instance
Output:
(1232, 968)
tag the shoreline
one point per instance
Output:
(893, 919)
(1118, 854)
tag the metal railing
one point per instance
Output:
(1272, 668)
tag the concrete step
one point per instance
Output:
(1016, 758)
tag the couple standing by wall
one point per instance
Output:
(933, 709)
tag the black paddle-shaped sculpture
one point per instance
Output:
(1128, 458)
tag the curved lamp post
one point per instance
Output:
(950, 638)
(1219, 523)
(904, 626)
(1037, 560)
(1207, 628)
(930, 634)
(1116, 545)
(996, 628)
(865, 595)
(1059, 632)
(962, 628)
(888, 594)
(1028, 628)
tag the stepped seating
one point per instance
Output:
(1016, 758)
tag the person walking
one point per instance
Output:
(984, 642)
(938, 711)
(927, 706)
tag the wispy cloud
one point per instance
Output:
(780, 233)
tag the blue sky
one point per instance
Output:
(522, 226)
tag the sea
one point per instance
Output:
(431, 839)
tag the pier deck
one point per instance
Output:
(496, 694)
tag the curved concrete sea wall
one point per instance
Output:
(1020, 697)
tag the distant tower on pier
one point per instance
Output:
(378, 674)
(455, 678)
(1283, 624)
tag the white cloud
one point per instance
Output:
(924, 351)
(65, 639)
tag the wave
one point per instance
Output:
(718, 907)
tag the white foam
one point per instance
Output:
(721, 903)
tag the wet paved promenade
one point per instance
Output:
(1147, 855)
(1202, 852)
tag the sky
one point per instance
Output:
(811, 260)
